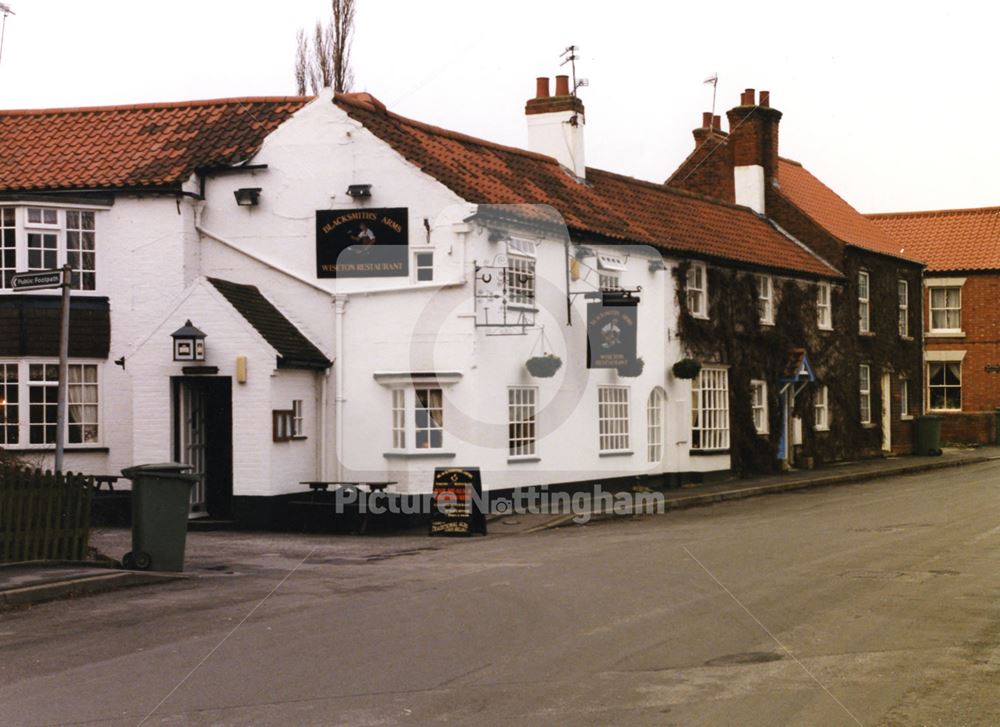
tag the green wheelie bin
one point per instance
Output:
(928, 435)
(161, 497)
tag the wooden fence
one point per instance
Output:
(43, 516)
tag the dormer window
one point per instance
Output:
(45, 238)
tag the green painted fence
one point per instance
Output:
(43, 515)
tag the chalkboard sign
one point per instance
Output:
(455, 502)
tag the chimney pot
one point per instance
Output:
(747, 97)
(765, 98)
(706, 120)
(717, 122)
(562, 85)
(542, 87)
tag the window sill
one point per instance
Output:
(765, 433)
(944, 411)
(826, 329)
(420, 454)
(707, 452)
(868, 425)
(821, 429)
(527, 307)
(42, 449)
(867, 334)
(617, 453)
(523, 458)
(944, 334)
(699, 316)
(906, 417)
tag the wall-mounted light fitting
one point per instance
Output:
(189, 343)
(359, 191)
(247, 196)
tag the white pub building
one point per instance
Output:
(280, 290)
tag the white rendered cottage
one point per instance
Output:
(369, 290)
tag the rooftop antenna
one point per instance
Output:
(714, 80)
(570, 56)
(5, 9)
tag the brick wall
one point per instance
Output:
(972, 428)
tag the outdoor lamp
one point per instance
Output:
(247, 196)
(189, 343)
(359, 191)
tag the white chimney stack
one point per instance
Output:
(555, 124)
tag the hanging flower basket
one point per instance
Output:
(543, 367)
(686, 368)
(633, 368)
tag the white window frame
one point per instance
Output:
(521, 263)
(904, 398)
(8, 245)
(522, 422)
(298, 420)
(655, 428)
(54, 230)
(865, 393)
(821, 409)
(864, 302)
(696, 287)
(824, 306)
(710, 409)
(903, 290)
(435, 424)
(946, 309)
(765, 298)
(613, 420)
(944, 364)
(80, 392)
(10, 406)
(398, 414)
(758, 405)
(420, 266)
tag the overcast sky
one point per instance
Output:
(893, 105)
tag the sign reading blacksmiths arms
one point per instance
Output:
(611, 333)
(356, 243)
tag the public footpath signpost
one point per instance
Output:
(44, 280)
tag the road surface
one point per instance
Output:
(870, 604)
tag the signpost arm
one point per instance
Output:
(63, 368)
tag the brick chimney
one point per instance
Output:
(555, 124)
(709, 125)
(753, 143)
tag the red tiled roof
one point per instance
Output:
(831, 211)
(608, 205)
(150, 145)
(966, 239)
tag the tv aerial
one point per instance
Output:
(570, 56)
(5, 9)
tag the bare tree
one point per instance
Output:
(327, 61)
(301, 62)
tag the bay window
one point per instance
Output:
(29, 402)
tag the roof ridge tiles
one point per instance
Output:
(197, 103)
(953, 212)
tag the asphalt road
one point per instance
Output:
(872, 604)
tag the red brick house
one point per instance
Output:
(867, 351)
(961, 324)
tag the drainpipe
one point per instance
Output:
(324, 402)
(340, 301)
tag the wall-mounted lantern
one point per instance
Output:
(189, 343)
(359, 191)
(247, 196)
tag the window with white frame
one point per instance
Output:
(904, 308)
(428, 418)
(824, 308)
(758, 405)
(864, 304)
(944, 385)
(865, 391)
(697, 290)
(821, 409)
(904, 398)
(8, 246)
(946, 309)
(43, 399)
(520, 272)
(521, 403)
(609, 270)
(9, 409)
(424, 266)
(654, 425)
(765, 299)
(82, 404)
(710, 409)
(44, 238)
(398, 419)
(613, 418)
(298, 421)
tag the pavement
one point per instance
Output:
(24, 584)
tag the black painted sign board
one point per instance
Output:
(455, 502)
(362, 243)
(612, 330)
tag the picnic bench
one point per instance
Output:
(321, 498)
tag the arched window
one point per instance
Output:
(654, 425)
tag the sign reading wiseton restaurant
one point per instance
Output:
(362, 243)
(611, 334)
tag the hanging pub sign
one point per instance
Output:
(370, 243)
(612, 327)
(457, 494)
